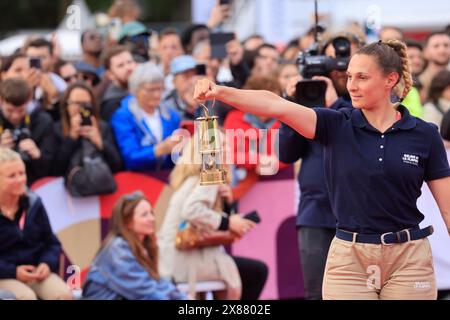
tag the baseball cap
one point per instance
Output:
(132, 29)
(182, 64)
(85, 67)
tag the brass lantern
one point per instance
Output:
(210, 145)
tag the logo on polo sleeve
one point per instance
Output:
(411, 159)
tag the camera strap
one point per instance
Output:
(27, 120)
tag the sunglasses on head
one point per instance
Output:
(133, 196)
(130, 197)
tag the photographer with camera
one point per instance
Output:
(30, 134)
(81, 134)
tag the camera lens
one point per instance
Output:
(341, 46)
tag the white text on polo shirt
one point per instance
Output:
(411, 159)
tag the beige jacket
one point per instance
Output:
(196, 204)
(432, 114)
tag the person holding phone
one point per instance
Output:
(219, 14)
(376, 158)
(51, 86)
(203, 207)
(20, 65)
(80, 129)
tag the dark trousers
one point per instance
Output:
(253, 276)
(314, 244)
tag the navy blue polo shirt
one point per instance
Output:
(373, 178)
(314, 209)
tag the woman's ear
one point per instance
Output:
(392, 80)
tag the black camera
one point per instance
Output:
(311, 64)
(86, 111)
(311, 93)
(18, 135)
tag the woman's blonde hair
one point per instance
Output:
(188, 165)
(8, 155)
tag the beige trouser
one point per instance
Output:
(363, 271)
(52, 288)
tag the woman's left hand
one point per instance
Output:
(92, 133)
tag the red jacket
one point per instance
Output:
(259, 139)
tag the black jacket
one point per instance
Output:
(111, 101)
(68, 149)
(33, 245)
(41, 130)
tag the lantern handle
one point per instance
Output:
(205, 108)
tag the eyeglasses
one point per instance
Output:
(95, 36)
(150, 90)
(70, 78)
(81, 104)
(86, 77)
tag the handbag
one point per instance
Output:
(189, 237)
(92, 176)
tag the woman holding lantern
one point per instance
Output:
(377, 157)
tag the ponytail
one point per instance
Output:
(406, 79)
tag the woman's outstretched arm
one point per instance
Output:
(261, 103)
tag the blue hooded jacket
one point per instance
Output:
(136, 141)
